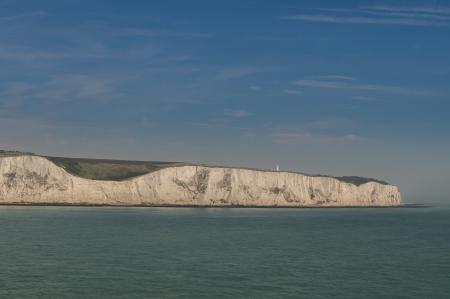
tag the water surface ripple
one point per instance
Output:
(76, 252)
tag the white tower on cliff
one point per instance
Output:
(277, 168)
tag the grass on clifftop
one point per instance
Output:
(99, 169)
(4, 153)
(118, 170)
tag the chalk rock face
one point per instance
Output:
(36, 180)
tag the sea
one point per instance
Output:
(112, 252)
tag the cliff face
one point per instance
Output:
(34, 179)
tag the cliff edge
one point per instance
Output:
(30, 179)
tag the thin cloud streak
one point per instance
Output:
(292, 91)
(313, 138)
(237, 113)
(63, 88)
(365, 20)
(235, 73)
(389, 11)
(38, 13)
(29, 55)
(338, 77)
(380, 15)
(409, 15)
(160, 33)
(364, 87)
(430, 10)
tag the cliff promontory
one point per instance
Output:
(31, 179)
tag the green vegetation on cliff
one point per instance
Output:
(5, 153)
(102, 169)
(357, 180)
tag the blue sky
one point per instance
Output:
(332, 87)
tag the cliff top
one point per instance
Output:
(104, 169)
(5, 153)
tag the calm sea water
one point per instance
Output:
(66, 252)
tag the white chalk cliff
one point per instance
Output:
(36, 180)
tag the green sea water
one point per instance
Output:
(76, 252)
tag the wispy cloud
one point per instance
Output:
(319, 125)
(361, 98)
(365, 20)
(292, 91)
(342, 85)
(33, 54)
(337, 77)
(380, 15)
(187, 101)
(269, 38)
(235, 73)
(227, 118)
(160, 33)
(408, 15)
(38, 13)
(79, 87)
(327, 124)
(313, 138)
(240, 113)
(62, 88)
(316, 131)
(418, 9)
(255, 88)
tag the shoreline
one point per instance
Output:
(210, 206)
